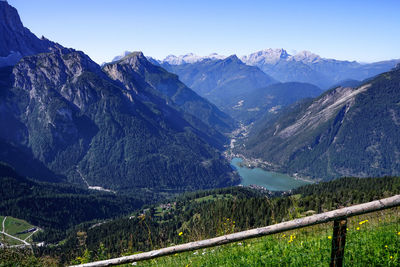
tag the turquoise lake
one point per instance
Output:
(273, 181)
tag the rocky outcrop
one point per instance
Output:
(16, 40)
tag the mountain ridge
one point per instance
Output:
(344, 132)
(303, 66)
(306, 66)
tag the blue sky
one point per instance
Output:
(366, 31)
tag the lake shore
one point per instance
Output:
(266, 166)
(273, 181)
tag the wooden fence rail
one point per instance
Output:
(335, 215)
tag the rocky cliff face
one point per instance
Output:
(344, 132)
(16, 40)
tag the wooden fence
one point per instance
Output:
(339, 217)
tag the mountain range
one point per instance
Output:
(347, 131)
(139, 123)
(128, 126)
(244, 92)
(308, 67)
(303, 66)
(230, 83)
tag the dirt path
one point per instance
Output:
(3, 223)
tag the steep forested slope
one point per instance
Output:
(345, 132)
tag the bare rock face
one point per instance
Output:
(54, 71)
(16, 40)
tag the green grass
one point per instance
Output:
(9, 241)
(375, 242)
(13, 226)
(213, 197)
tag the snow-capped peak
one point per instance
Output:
(189, 58)
(266, 56)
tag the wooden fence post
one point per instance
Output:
(338, 242)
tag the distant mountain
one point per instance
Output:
(311, 68)
(188, 58)
(344, 132)
(134, 70)
(16, 40)
(220, 81)
(266, 101)
(264, 57)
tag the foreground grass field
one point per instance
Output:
(372, 240)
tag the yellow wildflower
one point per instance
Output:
(398, 233)
(358, 228)
(284, 235)
(391, 257)
(329, 237)
(180, 233)
(386, 246)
